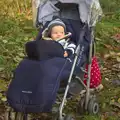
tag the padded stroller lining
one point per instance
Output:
(68, 11)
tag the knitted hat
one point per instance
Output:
(56, 22)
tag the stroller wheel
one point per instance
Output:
(69, 117)
(93, 106)
(81, 106)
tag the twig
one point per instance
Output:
(98, 39)
(25, 4)
(109, 13)
(18, 6)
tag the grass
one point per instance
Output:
(13, 36)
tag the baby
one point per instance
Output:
(57, 32)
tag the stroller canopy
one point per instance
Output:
(89, 10)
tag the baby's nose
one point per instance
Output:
(59, 34)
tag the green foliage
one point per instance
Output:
(15, 28)
(14, 34)
(110, 5)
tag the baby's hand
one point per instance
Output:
(65, 54)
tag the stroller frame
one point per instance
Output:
(87, 87)
(89, 102)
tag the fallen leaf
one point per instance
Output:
(106, 55)
(102, 117)
(0, 95)
(108, 46)
(112, 53)
(104, 69)
(104, 105)
(118, 59)
(4, 99)
(118, 76)
(1, 69)
(21, 54)
(119, 100)
(112, 101)
(118, 54)
(117, 36)
(5, 41)
(116, 66)
(107, 79)
(26, 38)
(2, 85)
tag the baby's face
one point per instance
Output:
(57, 32)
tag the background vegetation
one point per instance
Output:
(16, 28)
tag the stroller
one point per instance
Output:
(44, 76)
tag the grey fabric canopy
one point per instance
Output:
(89, 10)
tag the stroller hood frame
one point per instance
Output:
(89, 10)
